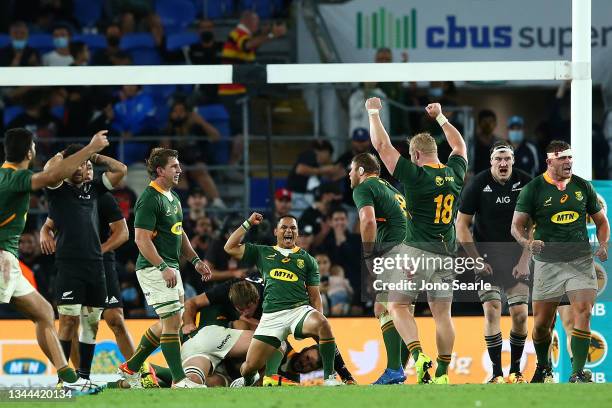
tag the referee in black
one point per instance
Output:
(488, 202)
(80, 283)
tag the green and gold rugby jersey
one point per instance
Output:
(389, 208)
(432, 194)
(15, 187)
(285, 277)
(160, 212)
(560, 217)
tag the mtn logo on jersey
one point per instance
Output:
(565, 217)
(177, 229)
(487, 189)
(283, 274)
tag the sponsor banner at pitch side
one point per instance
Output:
(465, 30)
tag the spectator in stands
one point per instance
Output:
(60, 56)
(196, 209)
(339, 292)
(324, 264)
(315, 217)
(18, 53)
(485, 138)
(80, 53)
(111, 54)
(358, 116)
(38, 120)
(134, 115)
(304, 240)
(223, 266)
(194, 150)
(239, 48)
(203, 236)
(206, 52)
(526, 156)
(311, 167)
(342, 246)
(42, 265)
(264, 232)
(360, 143)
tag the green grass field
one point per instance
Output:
(503, 395)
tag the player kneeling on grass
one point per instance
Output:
(292, 301)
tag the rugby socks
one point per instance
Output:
(443, 363)
(164, 375)
(393, 344)
(273, 363)
(414, 348)
(171, 348)
(542, 347)
(517, 344)
(494, 347)
(581, 341)
(327, 348)
(404, 354)
(67, 374)
(148, 344)
(86, 353)
(340, 366)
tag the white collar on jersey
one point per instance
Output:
(286, 251)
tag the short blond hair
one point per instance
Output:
(424, 143)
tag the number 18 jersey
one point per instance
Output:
(432, 194)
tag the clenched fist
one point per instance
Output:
(255, 219)
(373, 103)
(433, 109)
(99, 141)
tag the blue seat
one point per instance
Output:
(88, 12)
(145, 56)
(260, 194)
(214, 9)
(263, 8)
(10, 113)
(43, 43)
(179, 40)
(136, 40)
(176, 15)
(5, 40)
(94, 41)
(58, 111)
(217, 115)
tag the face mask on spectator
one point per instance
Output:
(113, 40)
(516, 136)
(60, 42)
(19, 44)
(129, 294)
(436, 92)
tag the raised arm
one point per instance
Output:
(380, 139)
(58, 168)
(234, 246)
(453, 137)
(116, 170)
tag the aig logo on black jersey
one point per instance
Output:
(502, 200)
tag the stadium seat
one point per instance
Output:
(142, 49)
(263, 8)
(214, 10)
(175, 15)
(5, 40)
(217, 115)
(260, 192)
(94, 41)
(179, 40)
(43, 43)
(10, 113)
(58, 111)
(88, 12)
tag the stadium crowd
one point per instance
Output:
(56, 33)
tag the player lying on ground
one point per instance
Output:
(431, 189)
(382, 223)
(292, 301)
(161, 242)
(558, 203)
(16, 183)
(489, 200)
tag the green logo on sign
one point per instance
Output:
(383, 29)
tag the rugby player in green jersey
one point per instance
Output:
(382, 223)
(16, 183)
(558, 204)
(161, 242)
(431, 190)
(292, 301)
